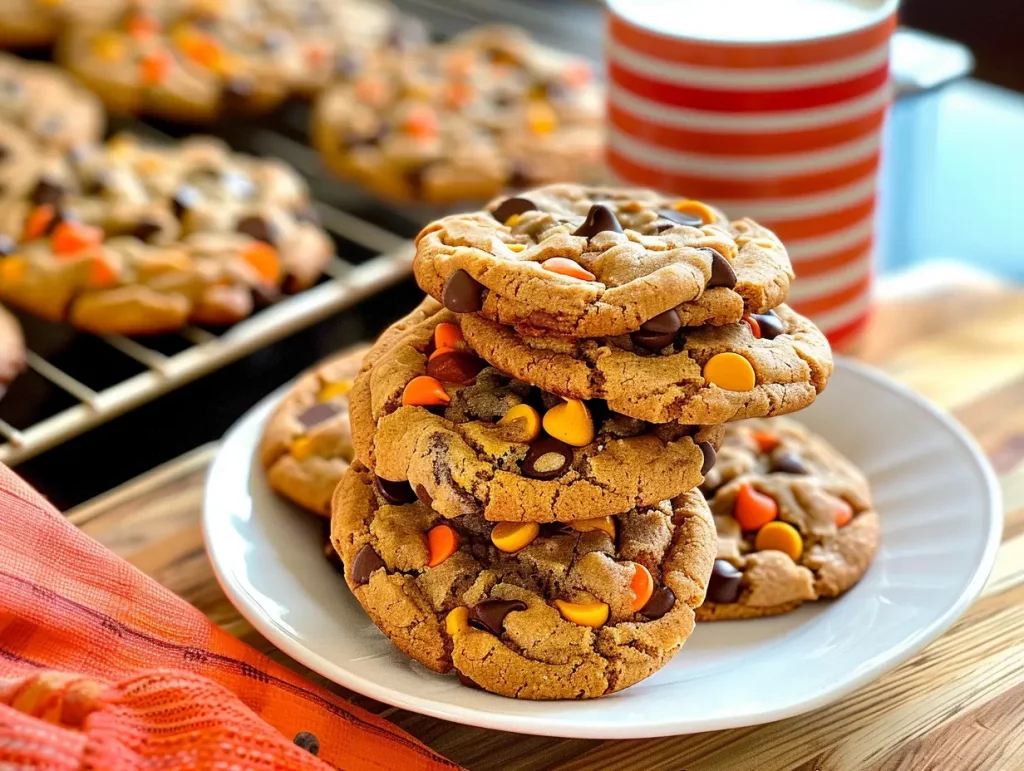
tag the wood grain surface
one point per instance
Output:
(957, 706)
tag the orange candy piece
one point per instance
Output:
(563, 266)
(511, 537)
(69, 238)
(442, 541)
(642, 586)
(154, 67)
(370, 91)
(142, 25)
(421, 122)
(577, 73)
(592, 614)
(201, 48)
(541, 118)
(754, 510)
(780, 536)
(101, 274)
(447, 335)
(751, 322)
(317, 54)
(459, 93)
(12, 270)
(696, 209)
(263, 258)
(766, 440)
(730, 372)
(844, 513)
(424, 391)
(38, 221)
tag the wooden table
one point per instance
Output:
(957, 706)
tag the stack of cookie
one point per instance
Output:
(522, 507)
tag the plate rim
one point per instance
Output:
(250, 610)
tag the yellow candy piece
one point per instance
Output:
(511, 222)
(457, 621)
(516, 247)
(695, 209)
(730, 372)
(570, 422)
(780, 536)
(334, 390)
(109, 46)
(12, 270)
(607, 524)
(512, 536)
(541, 118)
(302, 448)
(592, 614)
(528, 416)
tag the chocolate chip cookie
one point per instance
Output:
(767, 364)
(598, 262)
(524, 610)
(470, 439)
(794, 518)
(307, 445)
(48, 105)
(464, 120)
(136, 239)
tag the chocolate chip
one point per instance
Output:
(665, 323)
(652, 341)
(725, 583)
(146, 229)
(363, 566)
(519, 177)
(466, 681)
(397, 493)
(459, 367)
(264, 295)
(185, 197)
(788, 463)
(48, 192)
(547, 458)
(680, 218)
(7, 245)
(308, 742)
(463, 293)
(710, 456)
(661, 602)
(599, 220)
(722, 273)
(771, 325)
(512, 206)
(423, 496)
(489, 615)
(318, 413)
(258, 228)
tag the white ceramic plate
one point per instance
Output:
(941, 523)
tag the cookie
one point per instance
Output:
(700, 375)
(307, 445)
(48, 105)
(470, 439)
(135, 239)
(464, 120)
(526, 611)
(200, 61)
(599, 262)
(37, 23)
(794, 518)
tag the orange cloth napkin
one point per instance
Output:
(102, 668)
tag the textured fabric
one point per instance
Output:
(102, 668)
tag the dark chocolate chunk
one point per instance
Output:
(510, 207)
(47, 191)
(308, 742)
(652, 341)
(463, 293)
(258, 228)
(489, 615)
(680, 218)
(664, 323)
(519, 177)
(661, 602)
(547, 458)
(318, 413)
(185, 197)
(599, 220)
(710, 456)
(397, 493)
(725, 583)
(363, 566)
(770, 324)
(145, 229)
(788, 463)
(722, 273)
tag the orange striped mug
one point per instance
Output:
(772, 110)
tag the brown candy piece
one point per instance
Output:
(363, 566)
(318, 413)
(258, 228)
(454, 366)
(722, 273)
(652, 341)
(661, 602)
(725, 583)
(489, 615)
(397, 493)
(788, 463)
(463, 293)
(512, 206)
(599, 219)
(48, 191)
(771, 325)
(548, 458)
(680, 218)
(664, 323)
(710, 456)
(145, 229)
